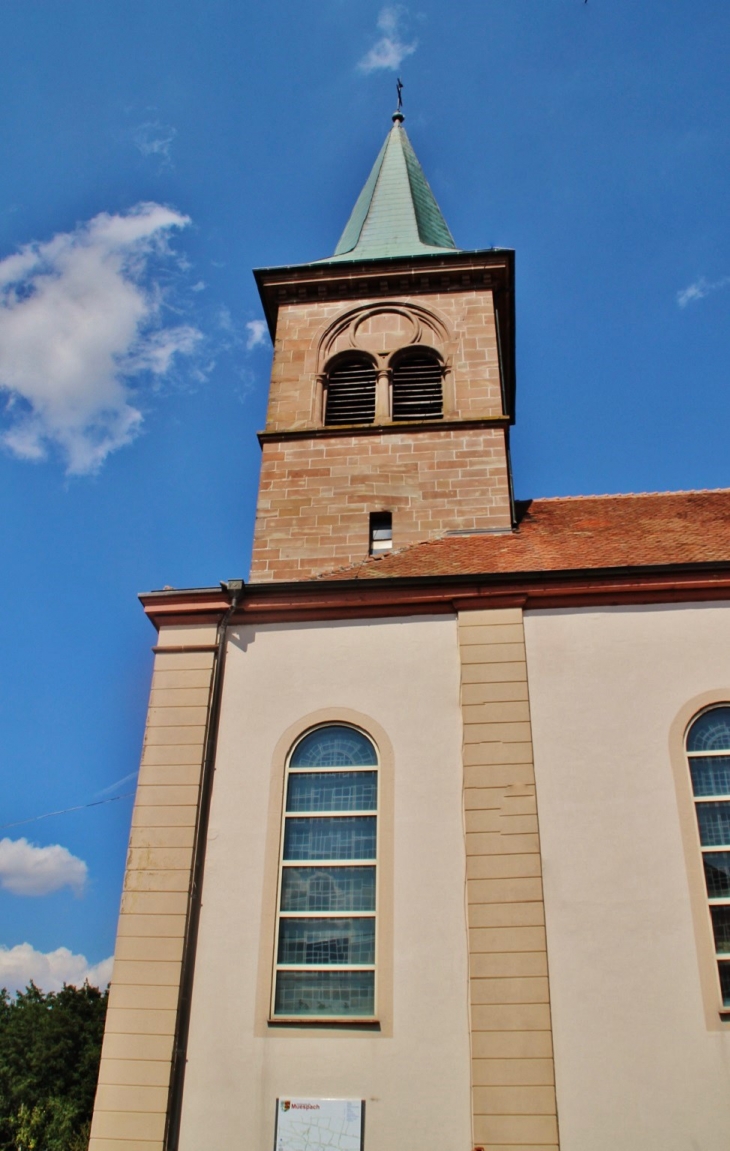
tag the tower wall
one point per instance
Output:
(315, 496)
(317, 490)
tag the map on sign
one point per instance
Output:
(319, 1124)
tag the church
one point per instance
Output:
(431, 842)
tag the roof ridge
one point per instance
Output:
(623, 495)
(350, 237)
(382, 157)
(430, 222)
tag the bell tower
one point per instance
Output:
(392, 387)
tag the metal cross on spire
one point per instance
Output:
(399, 90)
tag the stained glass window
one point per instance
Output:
(326, 930)
(334, 746)
(710, 731)
(708, 752)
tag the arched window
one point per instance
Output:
(325, 940)
(418, 377)
(708, 752)
(350, 385)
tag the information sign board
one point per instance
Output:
(319, 1124)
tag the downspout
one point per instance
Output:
(234, 588)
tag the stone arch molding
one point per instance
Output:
(381, 330)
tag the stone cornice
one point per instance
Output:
(314, 600)
(414, 275)
(339, 431)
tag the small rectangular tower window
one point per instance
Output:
(381, 533)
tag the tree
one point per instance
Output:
(50, 1046)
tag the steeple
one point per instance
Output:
(392, 386)
(396, 213)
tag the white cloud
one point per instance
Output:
(81, 321)
(390, 49)
(224, 318)
(699, 289)
(29, 870)
(257, 332)
(49, 970)
(154, 139)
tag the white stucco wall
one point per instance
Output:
(405, 675)
(637, 1067)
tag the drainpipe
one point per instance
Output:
(234, 588)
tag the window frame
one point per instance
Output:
(716, 1015)
(376, 862)
(722, 959)
(380, 533)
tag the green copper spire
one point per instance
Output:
(396, 213)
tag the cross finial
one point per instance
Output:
(398, 114)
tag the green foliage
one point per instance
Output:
(49, 1062)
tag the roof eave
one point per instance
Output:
(320, 599)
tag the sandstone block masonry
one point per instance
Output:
(316, 495)
(513, 1077)
(136, 1059)
(469, 346)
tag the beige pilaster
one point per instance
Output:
(513, 1084)
(134, 1076)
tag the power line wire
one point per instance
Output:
(65, 810)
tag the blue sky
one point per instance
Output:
(154, 153)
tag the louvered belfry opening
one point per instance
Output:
(351, 392)
(418, 387)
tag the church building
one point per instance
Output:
(431, 843)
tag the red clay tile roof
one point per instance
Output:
(574, 533)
